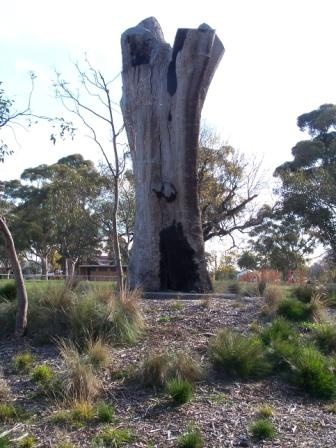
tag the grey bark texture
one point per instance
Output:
(164, 90)
(21, 316)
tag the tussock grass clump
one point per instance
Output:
(278, 330)
(311, 372)
(181, 391)
(42, 374)
(105, 412)
(262, 284)
(9, 412)
(113, 437)
(295, 310)
(79, 381)
(324, 336)
(22, 362)
(272, 297)
(82, 412)
(27, 442)
(158, 369)
(262, 429)
(265, 411)
(239, 356)
(4, 389)
(191, 439)
(98, 353)
(8, 291)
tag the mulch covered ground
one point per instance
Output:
(222, 410)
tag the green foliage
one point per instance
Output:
(180, 390)
(105, 412)
(236, 355)
(113, 437)
(82, 412)
(9, 412)
(262, 429)
(156, 370)
(42, 374)
(303, 293)
(278, 329)
(247, 260)
(191, 439)
(27, 442)
(8, 291)
(308, 181)
(22, 362)
(325, 337)
(310, 370)
(5, 442)
(294, 310)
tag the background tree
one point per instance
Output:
(281, 243)
(228, 183)
(309, 181)
(248, 260)
(91, 102)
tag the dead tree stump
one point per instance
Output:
(164, 90)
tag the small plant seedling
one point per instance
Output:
(191, 439)
(265, 411)
(22, 362)
(218, 398)
(164, 319)
(105, 412)
(180, 390)
(262, 429)
(176, 306)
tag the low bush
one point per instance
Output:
(311, 372)
(262, 429)
(236, 355)
(324, 336)
(156, 370)
(22, 362)
(180, 390)
(8, 291)
(278, 329)
(303, 293)
(191, 439)
(113, 437)
(294, 309)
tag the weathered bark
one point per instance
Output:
(163, 93)
(71, 264)
(21, 317)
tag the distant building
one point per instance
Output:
(99, 269)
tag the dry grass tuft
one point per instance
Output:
(272, 297)
(98, 353)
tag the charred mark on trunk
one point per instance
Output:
(171, 74)
(165, 190)
(140, 50)
(170, 116)
(178, 270)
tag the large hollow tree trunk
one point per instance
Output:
(21, 316)
(163, 93)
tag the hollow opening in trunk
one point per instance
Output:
(178, 270)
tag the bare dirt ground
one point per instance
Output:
(222, 410)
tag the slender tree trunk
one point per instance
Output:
(116, 245)
(163, 93)
(21, 317)
(71, 268)
(44, 265)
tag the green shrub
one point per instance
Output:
(22, 362)
(282, 352)
(156, 370)
(262, 429)
(278, 329)
(105, 412)
(180, 390)
(113, 437)
(236, 355)
(42, 374)
(191, 439)
(325, 337)
(294, 310)
(303, 293)
(311, 372)
(8, 291)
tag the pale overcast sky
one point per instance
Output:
(279, 63)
